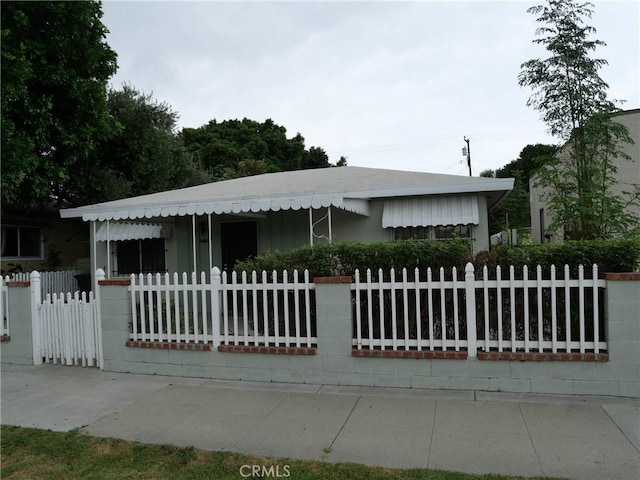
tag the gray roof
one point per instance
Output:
(343, 187)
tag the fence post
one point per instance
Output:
(36, 300)
(99, 275)
(215, 306)
(470, 295)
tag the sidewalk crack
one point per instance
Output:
(526, 426)
(328, 449)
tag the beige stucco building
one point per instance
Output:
(627, 175)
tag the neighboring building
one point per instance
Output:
(628, 174)
(41, 240)
(193, 228)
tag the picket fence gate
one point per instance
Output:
(66, 327)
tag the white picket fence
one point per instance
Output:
(502, 314)
(68, 330)
(222, 309)
(4, 307)
(54, 281)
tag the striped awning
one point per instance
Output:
(119, 231)
(431, 211)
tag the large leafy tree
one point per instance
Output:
(55, 68)
(141, 154)
(572, 98)
(236, 148)
(513, 211)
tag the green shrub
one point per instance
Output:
(622, 255)
(344, 258)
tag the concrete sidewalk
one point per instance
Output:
(475, 432)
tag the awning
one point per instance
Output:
(431, 211)
(274, 204)
(119, 231)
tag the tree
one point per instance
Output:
(572, 98)
(55, 68)
(236, 148)
(514, 210)
(142, 153)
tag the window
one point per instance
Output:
(440, 232)
(141, 256)
(411, 233)
(449, 232)
(22, 242)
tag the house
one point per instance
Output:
(216, 224)
(40, 240)
(627, 175)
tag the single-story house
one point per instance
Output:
(216, 224)
(627, 175)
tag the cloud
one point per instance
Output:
(388, 84)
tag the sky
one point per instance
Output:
(386, 84)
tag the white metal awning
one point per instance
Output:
(431, 211)
(359, 206)
(119, 231)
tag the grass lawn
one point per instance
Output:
(29, 453)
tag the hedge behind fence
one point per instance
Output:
(345, 257)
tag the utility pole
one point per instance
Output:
(467, 152)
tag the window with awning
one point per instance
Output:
(431, 211)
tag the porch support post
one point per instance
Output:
(330, 229)
(210, 246)
(108, 251)
(93, 253)
(193, 224)
(311, 226)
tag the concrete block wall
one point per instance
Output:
(333, 361)
(18, 349)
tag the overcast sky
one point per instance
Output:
(386, 84)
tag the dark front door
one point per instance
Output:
(239, 241)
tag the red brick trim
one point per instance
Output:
(544, 357)
(263, 349)
(420, 354)
(623, 277)
(345, 279)
(5, 338)
(194, 347)
(115, 281)
(15, 283)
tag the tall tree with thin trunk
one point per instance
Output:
(572, 98)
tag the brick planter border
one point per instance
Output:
(267, 350)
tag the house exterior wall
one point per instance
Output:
(628, 173)
(64, 243)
